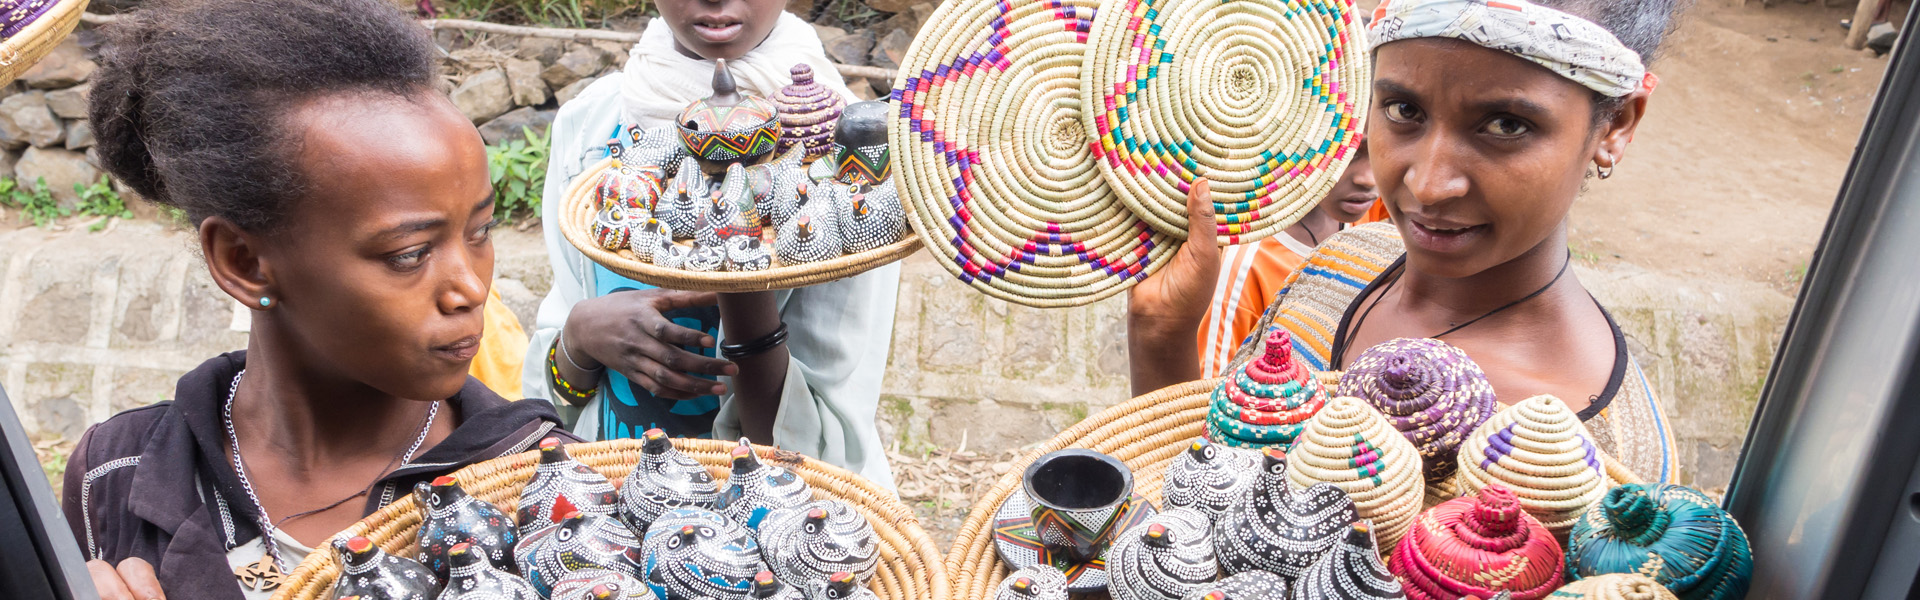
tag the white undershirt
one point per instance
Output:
(291, 553)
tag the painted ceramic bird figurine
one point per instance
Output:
(644, 237)
(775, 187)
(733, 212)
(370, 573)
(633, 189)
(706, 258)
(1210, 477)
(610, 228)
(1350, 571)
(671, 255)
(817, 539)
(450, 517)
(1280, 530)
(821, 172)
(694, 553)
(748, 253)
(1038, 582)
(756, 488)
(765, 587)
(841, 586)
(472, 577)
(652, 147)
(1166, 557)
(580, 542)
(1251, 585)
(686, 201)
(558, 476)
(664, 480)
(813, 235)
(872, 217)
(600, 584)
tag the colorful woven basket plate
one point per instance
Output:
(577, 212)
(1263, 97)
(29, 29)
(1017, 544)
(991, 151)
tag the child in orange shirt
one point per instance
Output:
(1250, 274)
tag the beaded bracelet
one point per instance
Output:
(560, 383)
(763, 344)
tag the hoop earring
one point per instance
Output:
(1604, 172)
(265, 302)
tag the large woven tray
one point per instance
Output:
(20, 52)
(910, 567)
(577, 211)
(1146, 433)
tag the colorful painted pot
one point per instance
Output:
(665, 479)
(372, 574)
(1279, 529)
(557, 477)
(695, 554)
(729, 126)
(1351, 571)
(1038, 582)
(756, 488)
(451, 517)
(860, 151)
(1166, 558)
(1210, 477)
(580, 542)
(812, 541)
(1073, 495)
(473, 577)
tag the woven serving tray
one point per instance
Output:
(20, 52)
(577, 211)
(1146, 433)
(910, 567)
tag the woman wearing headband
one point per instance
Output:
(1489, 117)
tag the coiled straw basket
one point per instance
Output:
(1146, 433)
(20, 52)
(910, 567)
(577, 212)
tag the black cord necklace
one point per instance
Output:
(1355, 330)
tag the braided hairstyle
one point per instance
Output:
(188, 104)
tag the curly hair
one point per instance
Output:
(189, 103)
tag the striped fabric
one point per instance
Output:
(1632, 427)
(1250, 276)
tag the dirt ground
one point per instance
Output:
(1743, 149)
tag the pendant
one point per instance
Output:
(263, 575)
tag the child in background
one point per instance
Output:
(1251, 274)
(648, 354)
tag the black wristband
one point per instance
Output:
(765, 343)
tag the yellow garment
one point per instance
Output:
(503, 349)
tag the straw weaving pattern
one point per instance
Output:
(1678, 536)
(992, 154)
(1263, 97)
(1430, 391)
(1615, 586)
(1350, 445)
(1265, 401)
(1480, 546)
(1538, 449)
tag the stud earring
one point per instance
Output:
(265, 302)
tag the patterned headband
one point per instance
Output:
(1573, 47)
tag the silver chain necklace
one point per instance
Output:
(266, 574)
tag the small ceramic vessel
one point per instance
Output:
(671, 255)
(1210, 477)
(775, 187)
(811, 541)
(860, 151)
(1267, 401)
(1038, 582)
(729, 126)
(664, 479)
(372, 574)
(580, 542)
(473, 577)
(1166, 558)
(756, 488)
(610, 228)
(651, 148)
(1350, 571)
(694, 553)
(808, 112)
(450, 517)
(685, 200)
(1538, 449)
(597, 584)
(841, 586)
(1430, 391)
(1478, 545)
(1676, 535)
(734, 212)
(748, 253)
(813, 234)
(558, 476)
(645, 237)
(766, 587)
(1279, 529)
(706, 258)
(1350, 445)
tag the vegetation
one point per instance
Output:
(519, 172)
(35, 201)
(100, 199)
(551, 13)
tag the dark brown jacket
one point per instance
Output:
(154, 482)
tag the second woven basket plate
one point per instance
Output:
(992, 153)
(1263, 97)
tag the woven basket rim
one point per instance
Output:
(40, 38)
(914, 556)
(777, 278)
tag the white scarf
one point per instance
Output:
(660, 81)
(1575, 48)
